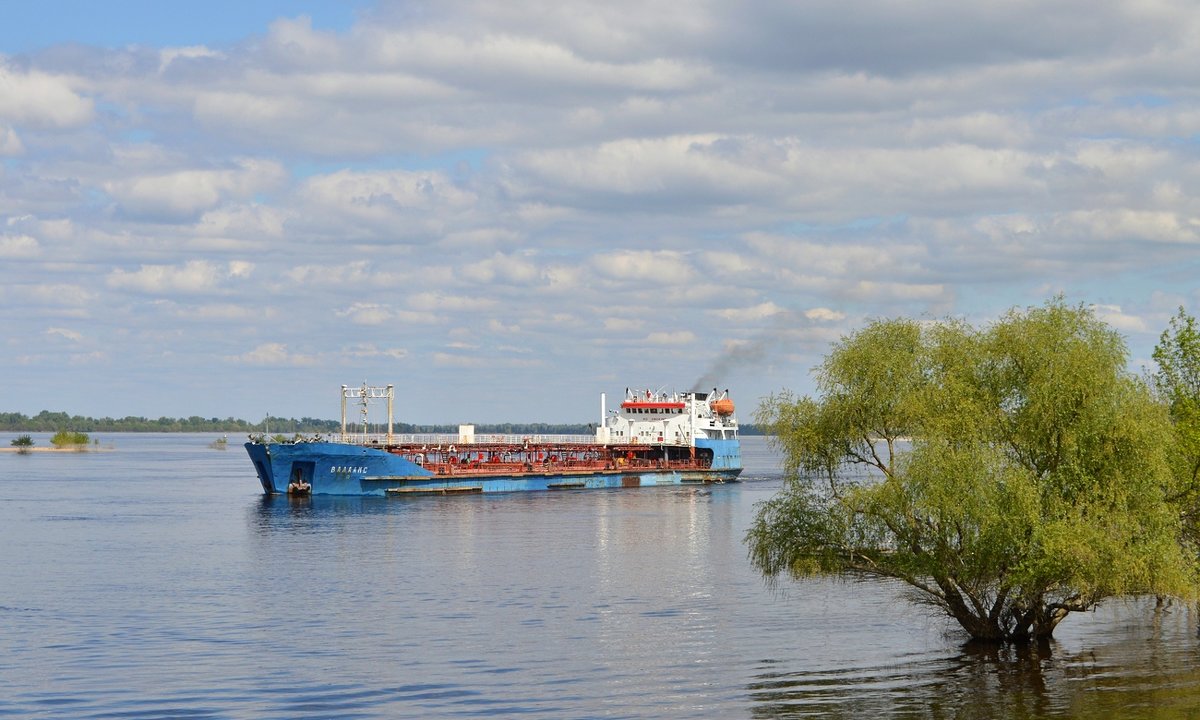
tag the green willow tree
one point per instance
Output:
(1177, 384)
(1013, 474)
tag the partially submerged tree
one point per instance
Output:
(1033, 485)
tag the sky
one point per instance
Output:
(232, 209)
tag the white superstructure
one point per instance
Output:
(657, 418)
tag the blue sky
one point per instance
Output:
(507, 208)
(31, 26)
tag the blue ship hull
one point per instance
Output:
(727, 454)
(343, 469)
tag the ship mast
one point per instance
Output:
(364, 395)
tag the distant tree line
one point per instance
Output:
(47, 421)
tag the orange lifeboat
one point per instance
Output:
(724, 406)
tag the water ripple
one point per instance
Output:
(212, 602)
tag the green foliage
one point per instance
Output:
(1177, 384)
(68, 438)
(1033, 486)
(22, 441)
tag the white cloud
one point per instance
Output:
(254, 223)
(725, 264)
(821, 314)
(293, 40)
(623, 325)
(1124, 224)
(60, 229)
(985, 128)
(383, 205)
(455, 360)
(273, 354)
(226, 312)
(10, 142)
(169, 55)
(240, 269)
(438, 302)
(501, 268)
(186, 193)
(662, 267)
(883, 291)
(677, 337)
(19, 246)
(511, 61)
(500, 328)
(1120, 320)
(355, 274)
(194, 276)
(369, 350)
(249, 107)
(53, 294)
(366, 314)
(89, 358)
(749, 314)
(845, 260)
(72, 335)
(372, 314)
(517, 349)
(476, 359)
(41, 100)
(644, 168)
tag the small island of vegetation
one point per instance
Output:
(70, 439)
(62, 440)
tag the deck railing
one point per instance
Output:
(447, 439)
(444, 440)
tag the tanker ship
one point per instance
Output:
(652, 438)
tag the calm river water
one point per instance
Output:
(152, 580)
